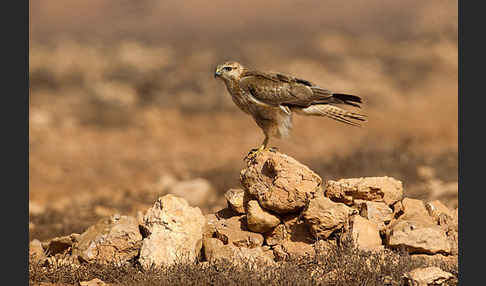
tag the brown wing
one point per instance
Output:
(277, 89)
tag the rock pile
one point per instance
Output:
(282, 211)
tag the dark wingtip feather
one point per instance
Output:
(347, 97)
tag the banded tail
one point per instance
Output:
(333, 112)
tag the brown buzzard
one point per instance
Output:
(272, 98)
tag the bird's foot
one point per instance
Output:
(253, 153)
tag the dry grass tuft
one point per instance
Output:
(341, 265)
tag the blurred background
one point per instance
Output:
(123, 103)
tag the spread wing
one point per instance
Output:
(274, 89)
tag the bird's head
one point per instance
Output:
(229, 71)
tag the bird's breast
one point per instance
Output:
(242, 101)
(239, 97)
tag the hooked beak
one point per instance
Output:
(217, 73)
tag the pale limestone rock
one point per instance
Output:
(418, 237)
(279, 182)
(416, 231)
(378, 189)
(427, 276)
(447, 220)
(235, 198)
(260, 220)
(365, 234)
(377, 212)
(325, 216)
(112, 240)
(234, 231)
(174, 232)
(414, 209)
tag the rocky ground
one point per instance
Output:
(286, 225)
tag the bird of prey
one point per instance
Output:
(272, 98)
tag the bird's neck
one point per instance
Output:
(232, 85)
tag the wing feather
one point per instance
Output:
(275, 89)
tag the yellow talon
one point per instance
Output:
(264, 147)
(254, 152)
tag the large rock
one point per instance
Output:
(417, 237)
(378, 189)
(235, 199)
(447, 220)
(234, 231)
(416, 231)
(377, 212)
(365, 234)
(174, 232)
(260, 220)
(215, 249)
(196, 192)
(115, 239)
(279, 183)
(427, 276)
(325, 216)
(414, 209)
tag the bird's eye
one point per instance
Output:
(227, 68)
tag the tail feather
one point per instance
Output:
(327, 96)
(333, 112)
